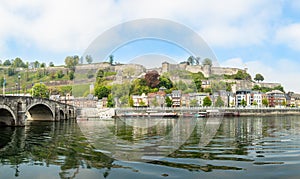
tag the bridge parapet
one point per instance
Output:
(16, 110)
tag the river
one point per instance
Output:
(248, 147)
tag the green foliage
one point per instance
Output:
(71, 75)
(219, 102)
(90, 74)
(59, 74)
(111, 59)
(218, 85)
(197, 78)
(240, 75)
(139, 86)
(43, 65)
(207, 61)
(6, 63)
(51, 64)
(207, 102)
(228, 87)
(40, 90)
(194, 103)
(165, 81)
(169, 101)
(89, 59)
(36, 64)
(255, 103)
(10, 71)
(265, 102)
(130, 101)
(267, 89)
(18, 63)
(102, 91)
(243, 103)
(259, 77)
(71, 62)
(110, 101)
(63, 90)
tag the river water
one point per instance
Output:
(248, 147)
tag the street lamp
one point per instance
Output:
(19, 77)
(228, 99)
(16, 89)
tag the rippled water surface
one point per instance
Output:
(260, 147)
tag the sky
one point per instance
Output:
(261, 35)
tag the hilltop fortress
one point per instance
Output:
(207, 70)
(133, 71)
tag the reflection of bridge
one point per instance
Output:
(16, 110)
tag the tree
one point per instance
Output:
(259, 77)
(219, 102)
(71, 62)
(169, 101)
(110, 101)
(152, 79)
(265, 102)
(43, 65)
(130, 101)
(6, 63)
(207, 101)
(243, 103)
(36, 64)
(102, 91)
(40, 90)
(197, 60)
(165, 82)
(90, 74)
(207, 61)
(191, 60)
(71, 75)
(194, 103)
(18, 63)
(59, 74)
(51, 64)
(89, 59)
(111, 59)
(10, 71)
(280, 88)
(256, 88)
(255, 103)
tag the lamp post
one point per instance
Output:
(19, 77)
(16, 89)
(228, 99)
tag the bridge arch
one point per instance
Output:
(62, 115)
(40, 112)
(7, 116)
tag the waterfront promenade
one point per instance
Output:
(247, 111)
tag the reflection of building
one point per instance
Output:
(276, 98)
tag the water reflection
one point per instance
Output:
(241, 147)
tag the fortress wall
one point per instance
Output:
(226, 71)
(268, 85)
(194, 69)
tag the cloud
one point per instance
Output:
(282, 71)
(289, 35)
(64, 26)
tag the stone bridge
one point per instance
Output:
(17, 110)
